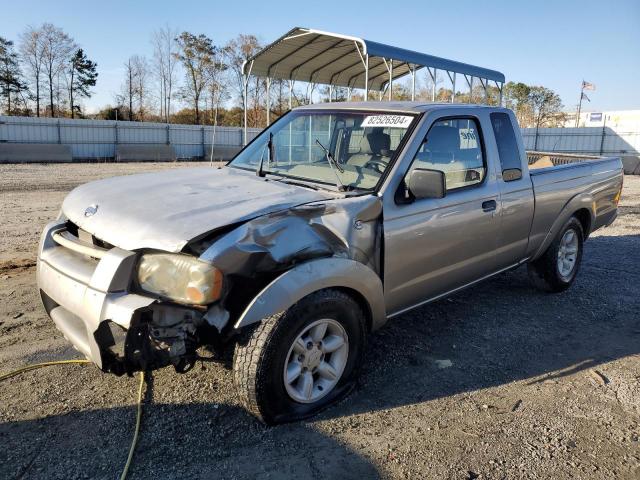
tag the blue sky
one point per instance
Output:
(550, 43)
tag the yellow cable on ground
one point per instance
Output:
(135, 434)
(38, 365)
(138, 415)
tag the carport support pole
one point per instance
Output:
(434, 77)
(244, 104)
(390, 79)
(413, 82)
(268, 101)
(245, 95)
(366, 77)
(486, 93)
(290, 106)
(453, 85)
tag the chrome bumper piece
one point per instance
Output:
(85, 286)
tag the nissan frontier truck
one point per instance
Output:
(336, 218)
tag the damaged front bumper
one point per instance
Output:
(85, 291)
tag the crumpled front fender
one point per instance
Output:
(309, 277)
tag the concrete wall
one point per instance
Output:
(99, 139)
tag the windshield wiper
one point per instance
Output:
(332, 161)
(270, 147)
(293, 182)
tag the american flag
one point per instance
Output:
(588, 86)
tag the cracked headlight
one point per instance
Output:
(181, 278)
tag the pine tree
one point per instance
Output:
(83, 76)
(10, 75)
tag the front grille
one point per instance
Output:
(86, 237)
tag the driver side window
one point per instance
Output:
(453, 147)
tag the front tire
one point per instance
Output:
(295, 364)
(557, 268)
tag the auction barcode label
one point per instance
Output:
(397, 121)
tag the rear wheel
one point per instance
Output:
(295, 364)
(558, 267)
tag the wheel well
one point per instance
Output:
(584, 217)
(360, 300)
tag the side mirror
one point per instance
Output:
(511, 174)
(427, 183)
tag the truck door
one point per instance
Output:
(516, 192)
(433, 246)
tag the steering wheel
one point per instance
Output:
(377, 165)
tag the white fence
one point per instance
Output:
(95, 139)
(588, 140)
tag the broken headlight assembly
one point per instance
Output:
(181, 278)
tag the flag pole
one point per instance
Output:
(580, 104)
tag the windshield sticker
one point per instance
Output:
(396, 121)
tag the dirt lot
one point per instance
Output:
(499, 381)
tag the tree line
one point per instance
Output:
(189, 79)
(46, 74)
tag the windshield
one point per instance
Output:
(350, 150)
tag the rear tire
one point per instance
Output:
(267, 350)
(557, 268)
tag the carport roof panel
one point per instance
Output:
(328, 58)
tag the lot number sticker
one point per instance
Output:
(397, 121)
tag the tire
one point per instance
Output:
(261, 355)
(545, 272)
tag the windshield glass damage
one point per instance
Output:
(349, 150)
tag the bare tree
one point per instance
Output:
(216, 85)
(128, 88)
(57, 49)
(546, 107)
(164, 51)
(236, 52)
(140, 67)
(32, 56)
(196, 54)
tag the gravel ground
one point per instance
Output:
(499, 381)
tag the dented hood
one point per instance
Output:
(165, 210)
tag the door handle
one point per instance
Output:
(489, 205)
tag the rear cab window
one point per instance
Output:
(510, 161)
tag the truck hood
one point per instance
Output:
(165, 210)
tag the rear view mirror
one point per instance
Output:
(511, 174)
(427, 183)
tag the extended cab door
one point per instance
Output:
(516, 190)
(435, 245)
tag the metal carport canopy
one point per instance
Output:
(315, 56)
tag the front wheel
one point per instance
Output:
(295, 364)
(558, 267)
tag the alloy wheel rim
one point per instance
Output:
(568, 253)
(316, 360)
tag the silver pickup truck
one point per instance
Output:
(334, 219)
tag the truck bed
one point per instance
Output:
(559, 179)
(538, 160)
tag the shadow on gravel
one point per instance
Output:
(503, 330)
(176, 441)
(497, 332)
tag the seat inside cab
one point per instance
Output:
(374, 150)
(452, 148)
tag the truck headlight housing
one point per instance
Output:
(181, 278)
